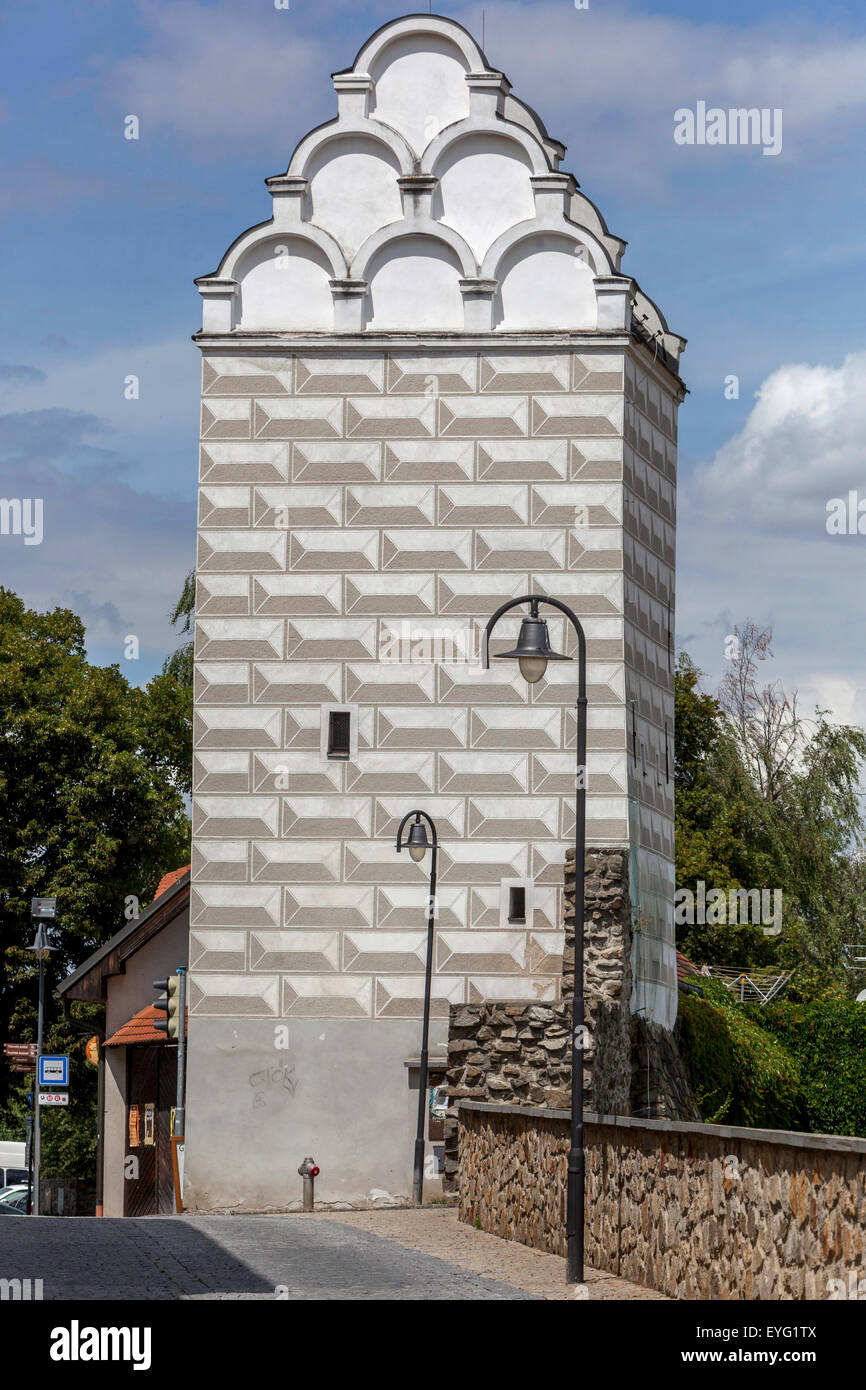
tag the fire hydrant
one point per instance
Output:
(309, 1172)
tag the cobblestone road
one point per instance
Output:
(405, 1255)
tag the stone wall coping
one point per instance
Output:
(835, 1143)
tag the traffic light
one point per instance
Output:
(170, 1005)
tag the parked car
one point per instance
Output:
(13, 1166)
(15, 1177)
(13, 1200)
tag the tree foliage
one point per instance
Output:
(91, 790)
(766, 799)
(740, 1073)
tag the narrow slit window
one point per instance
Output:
(339, 733)
(517, 904)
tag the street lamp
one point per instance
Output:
(41, 910)
(418, 844)
(532, 653)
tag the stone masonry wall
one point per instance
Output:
(694, 1211)
(660, 1087)
(519, 1052)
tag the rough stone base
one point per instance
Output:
(694, 1211)
(660, 1087)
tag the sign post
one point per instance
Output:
(53, 1071)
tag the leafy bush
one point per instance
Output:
(729, 1054)
(828, 1039)
(705, 1042)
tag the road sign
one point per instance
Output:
(43, 907)
(53, 1071)
(20, 1052)
(53, 1097)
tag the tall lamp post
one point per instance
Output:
(418, 844)
(41, 910)
(533, 652)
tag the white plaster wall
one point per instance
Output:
(114, 1130)
(545, 285)
(414, 283)
(485, 189)
(284, 283)
(354, 190)
(420, 87)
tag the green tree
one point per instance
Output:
(717, 815)
(92, 803)
(769, 800)
(168, 710)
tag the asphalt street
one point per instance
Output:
(228, 1257)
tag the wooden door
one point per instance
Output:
(151, 1080)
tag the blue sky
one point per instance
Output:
(757, 260)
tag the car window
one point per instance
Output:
(15, 1176)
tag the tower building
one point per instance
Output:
(428, 387)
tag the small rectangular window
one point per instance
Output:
(517, 904)
(339, 733)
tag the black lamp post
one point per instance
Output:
(533, 652)
(41, 910)
(418, 844)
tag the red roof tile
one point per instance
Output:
(685, 967)
(139, 1029)
(168, 880)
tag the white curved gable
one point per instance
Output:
(433, 201)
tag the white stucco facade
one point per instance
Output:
(428, 387)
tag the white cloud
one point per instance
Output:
(802, 444)
(608, 80)
(752, 538)
(149, 429)
(220, 72)
(117, 479)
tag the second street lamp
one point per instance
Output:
(417, 844)
(533, 652)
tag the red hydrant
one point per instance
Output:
(309, 1172)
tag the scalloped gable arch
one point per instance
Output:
(484, 186)
(542, 284)
(424, 227)
(284, 283)
(335, 198)
(448, 29)
(414, 283)
(599, 261)
(419, 86)
(309, 147)
(353, 189)
(441, 144)
(266, 232)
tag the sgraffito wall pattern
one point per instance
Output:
(360, 518)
